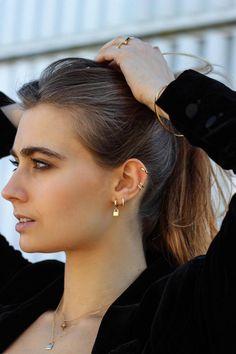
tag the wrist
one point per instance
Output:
(159, 111)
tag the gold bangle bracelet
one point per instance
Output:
(159, 93)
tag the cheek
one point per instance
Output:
(73, 191)
(76, 207)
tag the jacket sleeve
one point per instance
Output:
(7, 130)
(197, 312)
(11, 260)
(204, 110)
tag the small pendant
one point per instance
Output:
(63, 325)
(49, 346)
(116, 212)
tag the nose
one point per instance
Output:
(14, 190)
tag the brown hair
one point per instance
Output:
(176, 211)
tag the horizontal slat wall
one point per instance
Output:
(37, 19)
(34, 33)
(218, 46)
(33, 27)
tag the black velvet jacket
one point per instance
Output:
(189, 310)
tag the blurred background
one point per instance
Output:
(33, 33)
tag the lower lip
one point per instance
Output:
(22, 226)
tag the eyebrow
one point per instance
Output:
(30, 150)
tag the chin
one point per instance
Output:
(29, 248)
(29, 245)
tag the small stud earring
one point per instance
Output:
(116, 210)
(123, 202)
(140, 186)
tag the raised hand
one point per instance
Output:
(143, 66)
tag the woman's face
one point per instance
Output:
(65, 192)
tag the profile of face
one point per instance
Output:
(57, 184)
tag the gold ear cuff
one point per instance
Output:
(144, 170)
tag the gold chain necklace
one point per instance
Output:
(65, 323)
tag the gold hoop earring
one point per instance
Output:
(116, 210)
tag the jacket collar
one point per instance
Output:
(118, 325)
(123, 321)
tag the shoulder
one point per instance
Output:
(175, 314)
(174, 295)
(178, 283)
(184, 279)
(31, 280)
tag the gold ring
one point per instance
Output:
(124, 42)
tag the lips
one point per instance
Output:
(23, 218)
(25, 223)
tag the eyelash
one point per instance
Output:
(35, 161)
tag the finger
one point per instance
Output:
(114, 66)
(108, 54)
(108, 44)
(102, 51)
(112, 52)
(114, 42)
(156, 48)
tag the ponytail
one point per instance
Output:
(187, 220)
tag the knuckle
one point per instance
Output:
(157, 48)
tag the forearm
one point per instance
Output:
(11, 109)
(13, 112)
(204, 110)
(7, 129)
(11, 260)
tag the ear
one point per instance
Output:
(131, 180)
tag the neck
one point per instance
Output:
(96, 276)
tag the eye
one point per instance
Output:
(38, 164)
(14, 163)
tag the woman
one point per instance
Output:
(47, 189)
(197, 311)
